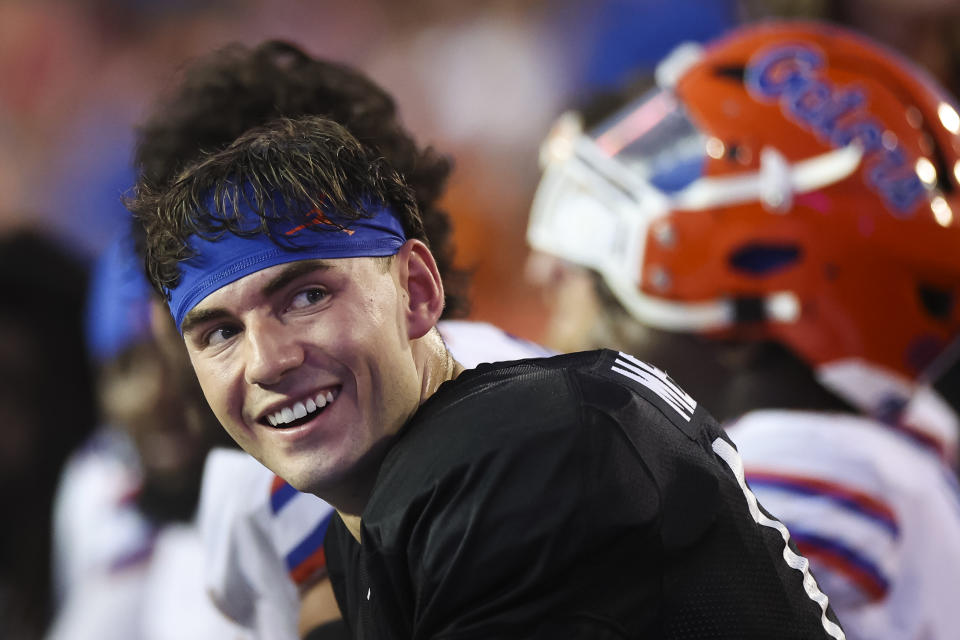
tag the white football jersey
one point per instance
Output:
(875, 508)
(96, 527)
(253, 525)
(118, 576)
(264, 539)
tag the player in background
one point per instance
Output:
(935, 405)
(263, 539)
(127, 555)
(775, 224)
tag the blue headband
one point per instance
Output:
(118, 301)
(221, 260)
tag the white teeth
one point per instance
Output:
(300, 409)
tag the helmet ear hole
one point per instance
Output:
(762, 259)
(937, 302)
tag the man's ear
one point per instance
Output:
(421, 278)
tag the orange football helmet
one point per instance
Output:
(791, 181)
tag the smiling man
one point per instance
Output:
(335, 323)
(581, 496)
(264, 540)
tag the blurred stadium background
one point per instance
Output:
(481, 81)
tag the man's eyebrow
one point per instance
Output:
(288, 274)
(200, 316)
(291, 272)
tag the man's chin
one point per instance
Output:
(345, 479)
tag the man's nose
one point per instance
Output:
(273, 351)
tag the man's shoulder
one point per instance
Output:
(523, 373)
(506, 397)
(531, 412)
(504, 403)
(603, 380)
(491, 411)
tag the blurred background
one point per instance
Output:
(481, 81)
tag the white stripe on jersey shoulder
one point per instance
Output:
(657, 381)
(795, 561)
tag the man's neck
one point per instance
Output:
(436, 365)
(352, 523)
(439, 365)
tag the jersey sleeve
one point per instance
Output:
(245, 577)
(230, 480)
(263, 542)
(816, 473)
(875, 513)
(298, 524)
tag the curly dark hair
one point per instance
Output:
(238, 88)
(281, 171)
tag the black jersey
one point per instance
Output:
(582, 496)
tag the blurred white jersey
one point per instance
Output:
(117, 576)
(264, 539)
(875, 508)
(473, 343)
(96, 527)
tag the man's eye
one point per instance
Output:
(220, 335)
(307, 298)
